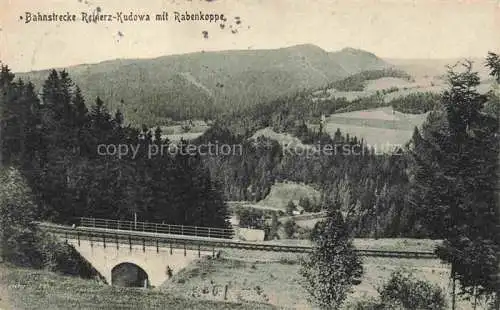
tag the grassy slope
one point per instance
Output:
(279, 196)
(273, 278)
(33, 289)
(284, 139)
(282, 193)
(376, 126)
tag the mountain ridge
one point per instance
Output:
(149, 90)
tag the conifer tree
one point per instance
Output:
(333, 267)
(453, 185)
(6, 98)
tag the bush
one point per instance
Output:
(22, 243)
(290, 207)
(63, 258)
(404, 290)
(271, 231)
(251, 218)
(306, 204)
(18, 237)
(185, 128)
(290, 228)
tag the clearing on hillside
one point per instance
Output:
(282, 193)
(381, 127)
(283, 139)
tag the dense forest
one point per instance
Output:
(53, 139)
(373, 189)
(416, 103)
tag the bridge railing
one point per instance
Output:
(157, 227)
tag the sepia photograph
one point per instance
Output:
(250, 154)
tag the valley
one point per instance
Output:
(266, 102)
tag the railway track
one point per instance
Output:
(119, 238)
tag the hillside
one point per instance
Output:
(204, 84)
(36, 289)
(355, 61)
(273, 277)
(282, 193)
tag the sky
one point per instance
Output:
(389, 28)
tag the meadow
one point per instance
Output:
(252, 276)
(379, 127)
(37, 289)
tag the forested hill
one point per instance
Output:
(54, 144)
(202, 84)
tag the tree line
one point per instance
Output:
(52, 138)
(371, 187)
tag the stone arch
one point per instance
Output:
(129, 275)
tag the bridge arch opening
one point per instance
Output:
(129, 275)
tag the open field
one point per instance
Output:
(279, 196)
(282, 138)
(385, 116)
(186, 136)
(282, 193)
(391, 88)
(374, 136)
(380, 127)
(176, 132)
(388, 87)
(35, 289)
(274, 278)
(251, 205)
(392, 82)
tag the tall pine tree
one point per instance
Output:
(454, 183)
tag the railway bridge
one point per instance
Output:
(153, 252)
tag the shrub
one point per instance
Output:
(18, 237)
(306, 204)
(22, 243)
(290, 207)
(251, 218)
(404, 290)
(290, 228)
